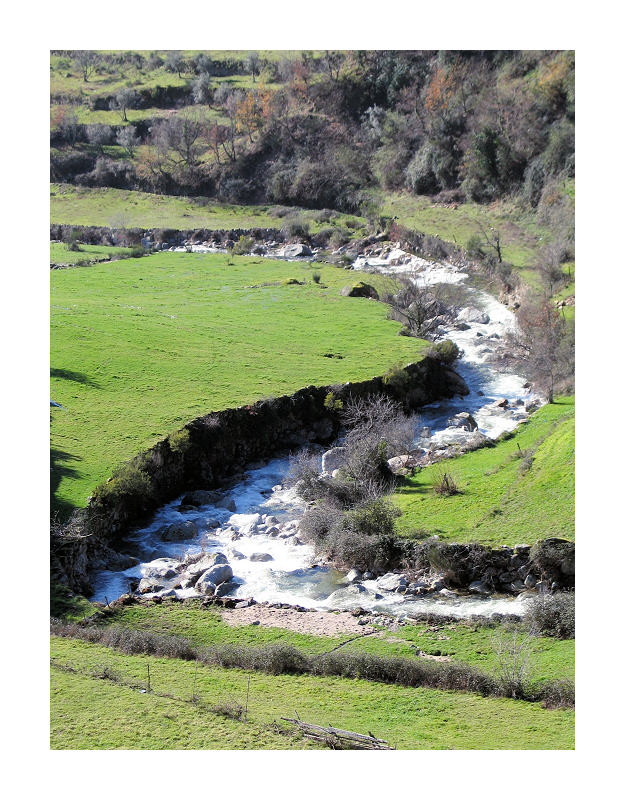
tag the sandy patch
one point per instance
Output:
(318, 623)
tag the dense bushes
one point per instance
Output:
(552, 615)
(350, 521)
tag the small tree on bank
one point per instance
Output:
(544, 345)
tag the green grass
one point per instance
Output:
(66, 79)
(91, 713)
(551, 658)
(498, 503)
(59, 254)
(64, 604)
(141, 347)
(521, 236)
(72, 205)
(88, 116)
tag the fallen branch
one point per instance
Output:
(338, 739)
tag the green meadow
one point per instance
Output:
(75, 205)
(140, 347)
(61, 254)
(92, 712)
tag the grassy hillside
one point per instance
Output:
(74, 205)
(505, 498)
(89, 712)
(142, 346)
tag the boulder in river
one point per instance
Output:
(220, 573)
(353, 576)
(479, 587)
(261, 557)
(161, 568)
(178, 531)
(392, 582)
(227, 503)
(205, 563)
(473, 315)
(200, 497)
(463, 420)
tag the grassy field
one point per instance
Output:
(72, 205)
(59, 254)
(66, 79)
(90, 712)
(521, 236)
(88, 116)
(476, 645)
(142, 346)
(499, 501)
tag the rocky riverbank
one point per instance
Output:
(216, 448)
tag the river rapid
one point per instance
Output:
(259, 537)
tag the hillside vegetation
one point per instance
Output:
(142, 346)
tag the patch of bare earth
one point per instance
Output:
(318, 623)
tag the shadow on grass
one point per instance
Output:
(60, 467)
(70, 375)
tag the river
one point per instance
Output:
(290, 574)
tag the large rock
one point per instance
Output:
(353, 576)
(392, 582)
(205, 586)
(227, 503)
(206, 563)
(296, 251)
(479, 587)
(150, 585)
(360, 290)
(161, 568)
(401, 465)
(470, 314)
(220, 573)
(261, 557)
(201, 497)
(333, 459)
(178, 531)
(463, 420)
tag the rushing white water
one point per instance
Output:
(291, 575)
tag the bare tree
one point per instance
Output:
(202, 89)
(99, 135)
(128, 139)
(550, 265)
(415, 305)
(492, 239)
(69, 127)
(543, 345)
(252, 64)
(514, 651)
(87, 63)
(175, 62)
(124, 99)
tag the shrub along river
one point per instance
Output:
(250, 529)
